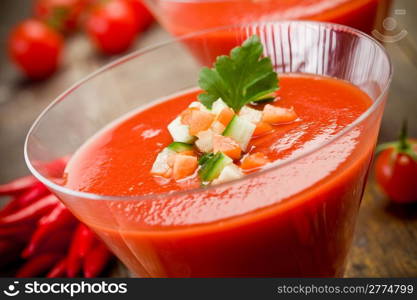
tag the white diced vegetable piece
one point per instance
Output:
(241, 131)
(218, 106)
(230, 172)
(199, 105)
(160, 166)
(179, 131)
(217, 127)
(250, 114)
(205, 141)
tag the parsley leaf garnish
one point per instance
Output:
(240, 78)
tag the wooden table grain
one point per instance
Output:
(385, 243)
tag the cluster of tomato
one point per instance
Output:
(35, 45)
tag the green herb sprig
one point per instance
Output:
(243, 77)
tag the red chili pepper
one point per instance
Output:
(37, 191)
(32, 212)
(74, 258)
(16, 233)
(96, 260)
(28, 196)
(37, 216)
(11, 206)
(58, 241)
(59, 270)
(87, 240)
(38, 265)
(17, 185)
(58, 219)
(6, 231)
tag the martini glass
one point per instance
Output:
(294, 219)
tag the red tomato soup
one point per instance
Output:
(184, 17)
(294, 220)
(181, 17)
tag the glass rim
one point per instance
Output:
(175, 40)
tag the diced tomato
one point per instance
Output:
(262, 128)
(184, 165)
(186, 115)
(225, 116)
(196, 119)
(226, 145)
(273, 114)
(254, 160)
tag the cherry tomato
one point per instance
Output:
(112, 26)
(35, 48)
(396, 169)
(143, 16)
(62, 15)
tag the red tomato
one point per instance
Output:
(112, 26)
(396, 169)
(143, 16)
(63, 15)
(35, 48)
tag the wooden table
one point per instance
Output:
(385, 243)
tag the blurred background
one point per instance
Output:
(386, 237)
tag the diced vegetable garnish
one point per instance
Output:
(217, 127)
(214, 166)
(218, 106)
(273, 114)
(226, 145)
(253, 161)
(180, 132)
(160, 166)
(217, 130)
(262, 128)
(204, 142)
(198, 105)
(225, 116)
(240, 130)
(180, 147)
(230, 172)
(204, 158)
(250, 114)
(197, 120)
(184, 166)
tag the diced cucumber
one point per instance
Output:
(250, 114)
(214, 166)
(179, 131)
(205, 141)
(204, 158)
(180, 147)
(230, 172)
(160, 166)
(240, 130)
(218, 106)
